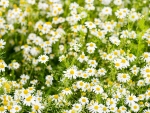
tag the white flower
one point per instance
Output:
(131, 57)
(82, 57)
(89, 6)
(28, 100)
(106, 2)
(114, 40)
(98, 89)
(133, 16)
(77, 107)
(37, 107)
(92, 63)
(94, 108)
(66, 91)
(61, 58)
(101, 72)
(135, 107)
(89, 1)
(2, 65)
(117, 2)
(90, 25)
(31, 2)
(107, 11)
(4, 3)
(122, 77)
(2, 44)
(71, 72)
(43, 58)
(84, 100)
(131, 99)
(16, 108)
(73, 6)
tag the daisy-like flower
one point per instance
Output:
(84, 100)
(61, 58)
(82, 57)
(141, 83)
(80, 85)
(101, 72)
(73, 6)
(4, 3)
(108, 27)
(67, 91)
(135, 107)
(131, 99)
(43, 58)
(111, 102)
(122, 109)
(117, 2)
(92, 63)
(106, 2)
(90, 25)
(89, 1)
(16, 108)
(89, 6)
(104, 109)
(77, 107)
(134, 69)
(146, 111)
(71, 72)
(107, 11)
(131, 57)
(94, 108)
(28, 100)
(2, 65)
(114, 40)
(37, 107)
(117, 63)
(122, 77)
(133, 16)
(31, 2)
(98, 89)
(2, 43)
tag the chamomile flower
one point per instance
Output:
(107, 11)
(71, 72)
(43, 58)
(95, 107)
(135, 107)
(2, 44)
(84, 100)
(133, 16)
(98, 89)
(66, 91)
(118, 2)
(106, 2)
(3, 65)
(89, 6)
(114, 40)
(16, 108)
(73, 6)
(122, 77)
(131, 99)
(77, 107)
(101, 72)
(37, 107)
(82, 57)
(29, 100)
(31, 2)
(90, 25)
(4, 3)
(92, 63)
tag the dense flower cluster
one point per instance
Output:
(67, 56)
